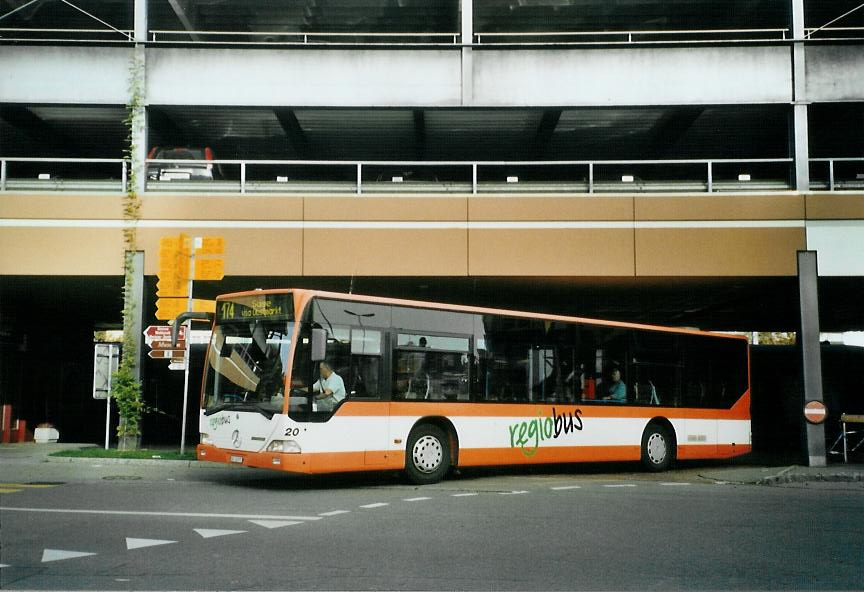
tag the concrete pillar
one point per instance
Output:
(137, 296)
(808, 337)
(801, 147)
(140, 21)
(467, 14)
(139, 119)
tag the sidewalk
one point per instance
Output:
(32, 453)
(760, 475)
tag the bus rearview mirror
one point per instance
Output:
(319, 345)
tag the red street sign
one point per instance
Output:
(162, 332)
(815, 412)
(164, 354)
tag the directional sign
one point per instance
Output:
(181, 344)
(209, 269)
(164, 354)
(172, 286)
(177, 366)
(168, 308)
(211, 245)
(162, 333)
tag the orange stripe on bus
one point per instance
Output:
(741, 410)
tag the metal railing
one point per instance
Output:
(302, 37)
(47, 179)
(635, 36)
(38, 34)
(387, 177)
(486, 38)
(846, 184)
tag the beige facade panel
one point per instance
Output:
(538, 208)
(718, 251)
(421, 252)
(61, 251)
(156, 206)
(551, 252)
(248, 251)
(720, 207)
(386, 209)
(833, 206)
(61, 206)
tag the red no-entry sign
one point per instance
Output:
(815, 412)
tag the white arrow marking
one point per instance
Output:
(209, 533)
(58, 555)
(335, 513)
(416, 499)
(372, 506)
(274, 523)
(141, 543)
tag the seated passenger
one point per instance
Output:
(616, 390)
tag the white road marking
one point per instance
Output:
(674, 484)
(141, 543)
(378, 505)
(59, 555)
(416, 499)
(520, 492)
(209, 533)
(2, 565)
(275, 523)
(335, 513)
(464, 494)
(165, 514)
(566, 487)
(621, 485)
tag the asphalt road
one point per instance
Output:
(92, 526)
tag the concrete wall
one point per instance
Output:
(92, 75)
(835, 73)
(574, 235)
(633, 76)
(388, 77)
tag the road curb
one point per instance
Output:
(791, 477)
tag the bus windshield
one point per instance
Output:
(248, 356)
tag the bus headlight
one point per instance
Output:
(284, 446)
(205, 439)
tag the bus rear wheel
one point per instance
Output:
(427, 455)
(658, 448)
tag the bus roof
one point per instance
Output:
(308, 294)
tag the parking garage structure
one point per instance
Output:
(650, 161)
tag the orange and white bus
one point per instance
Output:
(426, 387)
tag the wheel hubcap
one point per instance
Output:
(656, 448)
(427, 454)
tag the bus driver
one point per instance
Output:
(330, 388)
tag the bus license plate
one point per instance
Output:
(237, 459)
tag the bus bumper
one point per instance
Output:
(291, 463)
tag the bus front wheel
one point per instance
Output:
(658, 448)
(427, 455)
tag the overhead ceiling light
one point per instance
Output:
(626, 178)
(744, 177)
